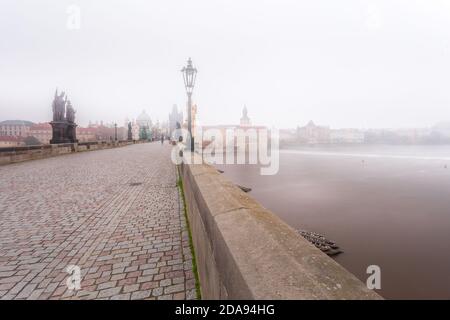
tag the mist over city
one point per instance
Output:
(357, 64)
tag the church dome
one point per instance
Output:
(144, 119)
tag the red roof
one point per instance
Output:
(41, 126)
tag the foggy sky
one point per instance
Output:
(350, 63)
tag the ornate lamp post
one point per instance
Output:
(189, 75)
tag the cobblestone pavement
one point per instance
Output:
(115, 213)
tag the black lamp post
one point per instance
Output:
(115, 131)
(189, 75)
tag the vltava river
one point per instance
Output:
(383, 205)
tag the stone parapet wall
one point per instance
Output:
(19, 154)
(244, 251)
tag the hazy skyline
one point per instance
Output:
(340, 63)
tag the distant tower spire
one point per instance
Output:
(245, 120)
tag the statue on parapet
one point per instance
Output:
(63, 124)
(70, 112)
(130, 133)
(59, 106)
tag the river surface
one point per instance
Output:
(383, 205)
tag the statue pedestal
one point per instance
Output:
(63, 132)
(59, 129)
(72, 132)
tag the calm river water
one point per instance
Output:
(383, 205)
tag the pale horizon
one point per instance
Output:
(352, 64)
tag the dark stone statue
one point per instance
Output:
(130, 134)
(63, 124)
(70, 112)
(59, 106)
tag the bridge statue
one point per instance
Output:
(59, 106)
(63, 124)
(130, 133)
(70, 112)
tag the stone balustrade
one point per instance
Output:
(244, 251)
(19, 154)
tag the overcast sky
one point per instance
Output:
(340, 63)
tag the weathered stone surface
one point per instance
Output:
(244, 251)
(86, 209)
(20, 154)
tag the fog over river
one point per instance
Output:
(383, 205)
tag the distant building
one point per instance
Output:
(86, 134)
(287, 136)
(165, 128)
(42, 132)
(243, 132)
(194, 120)
(11, 141)
(346, 136)
(125, 129)
(174, 117)
(413, 135)
(144, 120)
(15, 128)
(122, 133)
(313, 134)
(403, 136)
(135, 131)
(103, 132)
(145, 126)
(441, 131)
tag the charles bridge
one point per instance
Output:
(115, 213)
(118, 212)
(119, 220)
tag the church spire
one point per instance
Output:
(245, 120)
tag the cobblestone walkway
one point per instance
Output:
(115, 213)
